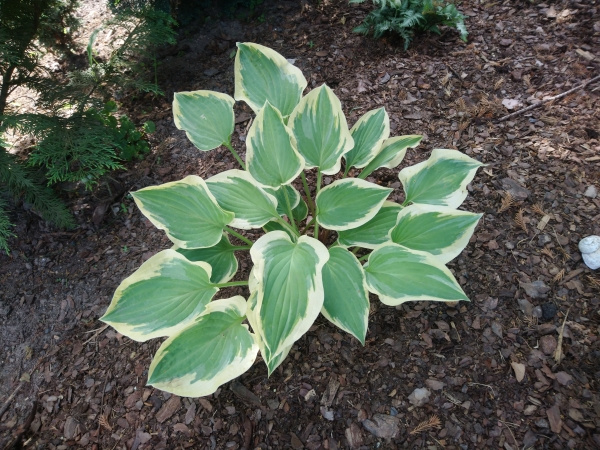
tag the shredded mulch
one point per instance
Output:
(517, 367)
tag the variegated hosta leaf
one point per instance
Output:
(252, 286)
(391, 154)
(271, 154)
(276, 226)
(441, 180)
(206, 117)
(321, 130)
(262, 74)
(349, 203)
(279, 194)
(289, 290)
(186, 210)
(221, 258)
(368, 133)
(274, 360)
(299, 208)
(375, 232)
(161, 297)
(213, 350)
(300, 211)
(346, 303)
(398, 274)
(236, 191)
(439, 230)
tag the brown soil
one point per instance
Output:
(68, 381)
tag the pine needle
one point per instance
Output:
(559, 276)
(433, 422)
(520, 220)
(507, 202)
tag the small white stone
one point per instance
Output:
(590, 251)
(591, 191)
(419, 396)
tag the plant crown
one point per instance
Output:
(402, 248)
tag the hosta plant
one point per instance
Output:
(320, 249)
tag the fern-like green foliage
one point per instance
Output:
(76, 140)
(5, 226)
(78, 148)
(405, 17)
(26, 184)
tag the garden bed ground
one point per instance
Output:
(68, 381)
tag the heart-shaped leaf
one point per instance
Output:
(271, 154)
(221, 258)
(374, 232)
(439, 230)
(213, 350)
(262, 74)
(349, 203)
(206, 117)
(391, 153)
(398, 274)
(346, 303)
(441, 180)
(289, 290)
(321, 130)
(161, 297)
(236, 191)
(368, 133)
(186, 210)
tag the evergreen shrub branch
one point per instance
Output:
(78, 134)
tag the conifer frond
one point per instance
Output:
(103, 421)
(5, 226)
(593, 281)
(559, 276)
(432, 422)
(520, 220)
(24, 183)
(548, 252)
(507, 202)
(537, 208)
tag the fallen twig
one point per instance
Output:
(10, 398)
(556, 97)
(558, 353)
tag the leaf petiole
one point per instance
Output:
(319, 179)
(235, 154)
(239, 236)
(309, 200)
(240, 247)
(231, 284)
(288, 207)
(288, 227)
